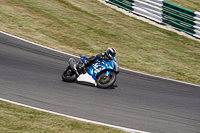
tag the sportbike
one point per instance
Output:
(101, 73)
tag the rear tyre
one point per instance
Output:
(68, 75)
(104, 81)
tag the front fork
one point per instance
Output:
(107, 72)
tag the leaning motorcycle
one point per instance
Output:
(101, 73)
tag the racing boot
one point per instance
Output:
(81, 68)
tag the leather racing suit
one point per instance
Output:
(83, 67)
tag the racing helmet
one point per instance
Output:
(111, 52)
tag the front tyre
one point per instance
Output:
(68, 75)
(104, 81)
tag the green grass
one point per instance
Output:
(190, 4)
(18, 119)
(88, 28)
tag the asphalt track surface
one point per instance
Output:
(31, 75)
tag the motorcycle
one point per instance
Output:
(101, 73)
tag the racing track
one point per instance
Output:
(31, 75)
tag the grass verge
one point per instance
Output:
(18, 119)
(88, 28)
(190, 4)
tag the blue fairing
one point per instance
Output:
(99, 66)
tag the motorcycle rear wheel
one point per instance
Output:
(104, 81)
(68, 75)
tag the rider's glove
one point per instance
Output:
(86, 62)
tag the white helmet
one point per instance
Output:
(111, 52)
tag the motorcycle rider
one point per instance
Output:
(110, 52)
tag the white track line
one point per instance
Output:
(81, 119)
(122, 128)
(79, 57)
(72, 117)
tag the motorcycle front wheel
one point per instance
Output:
(104, 81)
(68, 75)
